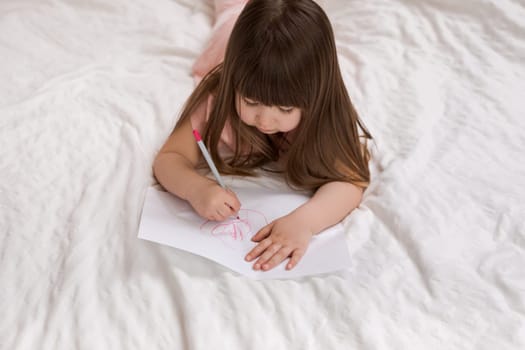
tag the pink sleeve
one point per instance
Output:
(222, 6)
(226, 13)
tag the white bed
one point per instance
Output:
(89, 90)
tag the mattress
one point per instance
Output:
(90, 90)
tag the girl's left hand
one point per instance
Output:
(278, 240)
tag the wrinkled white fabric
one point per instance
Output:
(89, 91)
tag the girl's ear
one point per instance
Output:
(226, 13)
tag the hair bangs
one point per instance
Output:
(271, 79)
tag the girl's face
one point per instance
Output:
(267, 119)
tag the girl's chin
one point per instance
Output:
(268, 132)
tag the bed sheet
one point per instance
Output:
(89, 90)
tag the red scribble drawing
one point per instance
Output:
(234, 231)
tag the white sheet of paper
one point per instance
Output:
(171, 221)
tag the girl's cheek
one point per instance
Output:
(290, 124)
(246, 117)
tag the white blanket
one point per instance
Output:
(89, 91)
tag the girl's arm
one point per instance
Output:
(291, 234)
(174, 168)
(330, 204)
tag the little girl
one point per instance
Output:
(277, 99)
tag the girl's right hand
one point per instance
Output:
(213, 202)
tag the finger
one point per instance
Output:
(262, 233)
(258, 249)
(267, 255)
(221, 215)
(296, 256)
(234, 205)
(229, 210)
(282, 254)
(224, 213)
(233, 201)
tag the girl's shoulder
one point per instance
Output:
(200, 117)
(201, 114)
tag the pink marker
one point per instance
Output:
(208, 159)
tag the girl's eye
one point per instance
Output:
(251, 102)
(286, 109)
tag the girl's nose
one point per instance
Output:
(263, 121)
(265, 114)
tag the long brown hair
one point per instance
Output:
(283, 53)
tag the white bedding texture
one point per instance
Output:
(90, 90)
